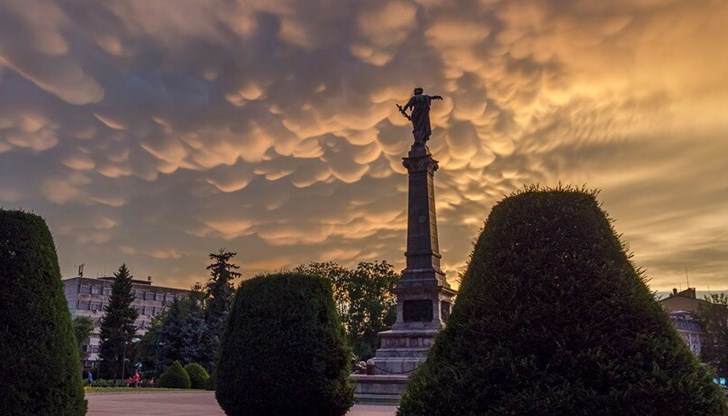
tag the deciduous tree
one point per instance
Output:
(364, 298)
(82, 328)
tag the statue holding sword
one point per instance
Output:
(419, 105)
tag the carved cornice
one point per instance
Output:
(420, 164)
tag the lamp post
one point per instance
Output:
(123, 359)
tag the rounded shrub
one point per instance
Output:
(40, 367)
(198, 376)
(553, 319)
(284, 351)
(175, 377)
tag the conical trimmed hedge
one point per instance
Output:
(553, 319)
(284, 351)
(40, 369)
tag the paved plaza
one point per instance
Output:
(182, 403)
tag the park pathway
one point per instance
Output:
(182, 403)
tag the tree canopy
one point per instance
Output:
(82, 328)
(183, 335)
(364, 297)
(714, 317)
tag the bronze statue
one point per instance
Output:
(420, 115)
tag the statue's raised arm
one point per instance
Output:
(419, 105)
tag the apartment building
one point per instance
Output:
(89, 296)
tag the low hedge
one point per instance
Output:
(198, 376)
(175, 377)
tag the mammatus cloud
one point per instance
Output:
(154, 133)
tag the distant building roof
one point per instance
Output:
(685, 300)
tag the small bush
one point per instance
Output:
(198, 375)
(553, 319)
(175, 377)
(284, 351)
(40, 365)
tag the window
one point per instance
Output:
(84, 289)
(96, 289)
(107, 291)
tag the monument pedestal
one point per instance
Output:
(424, 297)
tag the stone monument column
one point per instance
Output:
(424, 297)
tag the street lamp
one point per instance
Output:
(123, 358)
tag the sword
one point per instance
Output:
(404, 113)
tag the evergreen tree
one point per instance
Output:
(39, 364)
(117, 327)
(218, 297)
(183, 335)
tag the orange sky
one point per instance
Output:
(155, 132)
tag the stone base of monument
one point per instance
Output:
(378, 389)
(401, 353)
(404, 347)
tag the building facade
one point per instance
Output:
(89, 297)
(682, 307)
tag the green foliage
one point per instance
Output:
(365, 300)
(82, 327)
(218, 294)
(40, 367)
(146, 352)
(183, 335)
(714, 317)
(198, 375)
(117, 327)
(553, 319)
(284, 351)
(175, 377)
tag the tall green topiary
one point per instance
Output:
(40, 370)
(553, 319)
(175, 377)
(198, 376)
(284, 351)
